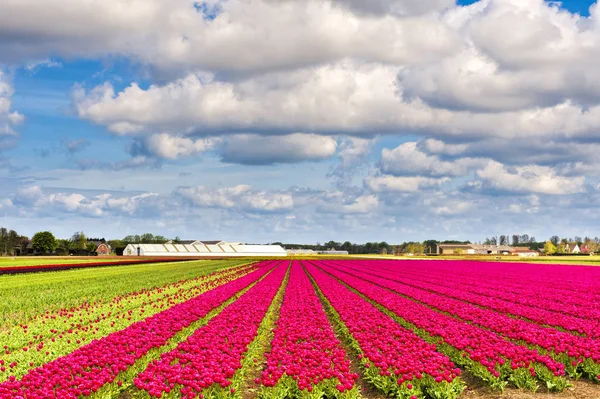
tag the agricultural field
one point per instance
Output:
(44, 260)
(321, 328)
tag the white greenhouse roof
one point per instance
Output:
(199, 249)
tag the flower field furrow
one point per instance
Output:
(591, 328)
(211, 356)
(499, 360)
(393, 359)
(66, 266)
(305, 353)
(572, 284)
(573, 351)
(28, 298)
(537, 296)
(27, 348)
(88, 368)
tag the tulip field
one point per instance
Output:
(301, 329)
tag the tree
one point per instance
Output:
(78, 240)
(44, 242)
(63, 246)
(549, 248)
(515, 239)
(91, 247)
(503, 240)
(554, 240)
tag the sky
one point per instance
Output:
(300, 121)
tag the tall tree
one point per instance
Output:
(44, 242)
(78, 240)
(549, 248)
(503, 240)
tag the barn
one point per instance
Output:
(103, 249)
(196, 249)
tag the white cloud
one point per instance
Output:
(407, 158)
(398, 7)
(55, 202)
(242, 35)
(252, 149)
(242, 197)
(434, 146)
(530, 179)
(354, 150)
(388, 183)
(171, 147)
(8, 118)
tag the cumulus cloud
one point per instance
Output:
(530, 179)
(434, 146)
(8, 118)
(266, 150)
(167, 146)
(240, 197)
(388, 183)
(237, 34)
(408, 159)
(397, 7)
(36, 199)
(245, 149)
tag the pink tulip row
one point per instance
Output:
(29, 347)
(90, 367)
(304, 347)
(497, 300)
(574, 303)
(394, 359)
(500, 357)
(212, 354)
(568, 282)
(576, 348)
(63, 323)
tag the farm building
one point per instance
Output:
(300, 252)
(203, 248)
(103, 249)
(453, 249)
(473, 249)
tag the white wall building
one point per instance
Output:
(194, 249)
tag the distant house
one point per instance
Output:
(103, 249)
(573, 249)
(525, 252)
(584, 249)
(455, 249)
(333, 251)
(473, 249)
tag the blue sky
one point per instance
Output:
(429, 120)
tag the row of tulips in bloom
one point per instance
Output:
(89, 368)
(305, 354)
(574, 301)
(564, 310)
(484, 353)
(66, 266)
(392, 358)
(58, 334)
(577, 353)
(406, 339)
(209, 361)
(574, 284)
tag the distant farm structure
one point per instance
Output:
(209, 249)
